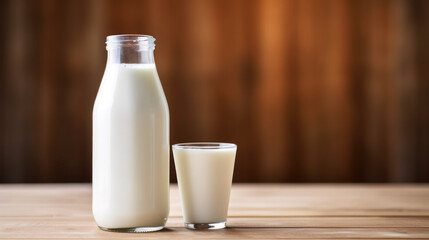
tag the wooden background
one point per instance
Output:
(311, 91)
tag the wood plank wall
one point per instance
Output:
(311, 91)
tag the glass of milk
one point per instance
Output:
(204, 173)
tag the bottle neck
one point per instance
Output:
(130, 55)
(133, 49)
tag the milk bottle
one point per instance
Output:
(130, 140)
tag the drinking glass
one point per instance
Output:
(204, 173)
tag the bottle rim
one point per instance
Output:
(131, 39)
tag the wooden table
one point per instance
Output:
(257, 211)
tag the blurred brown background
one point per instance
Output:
(311, 91)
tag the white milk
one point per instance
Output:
(205, 177)
(130, 148)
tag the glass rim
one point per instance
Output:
(204, 145)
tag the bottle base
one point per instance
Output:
(205, 226)
(133, 229)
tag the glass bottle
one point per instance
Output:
(130, 140)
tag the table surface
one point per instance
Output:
(257, 211)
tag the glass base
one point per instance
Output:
(205, 226)
(133, 229)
